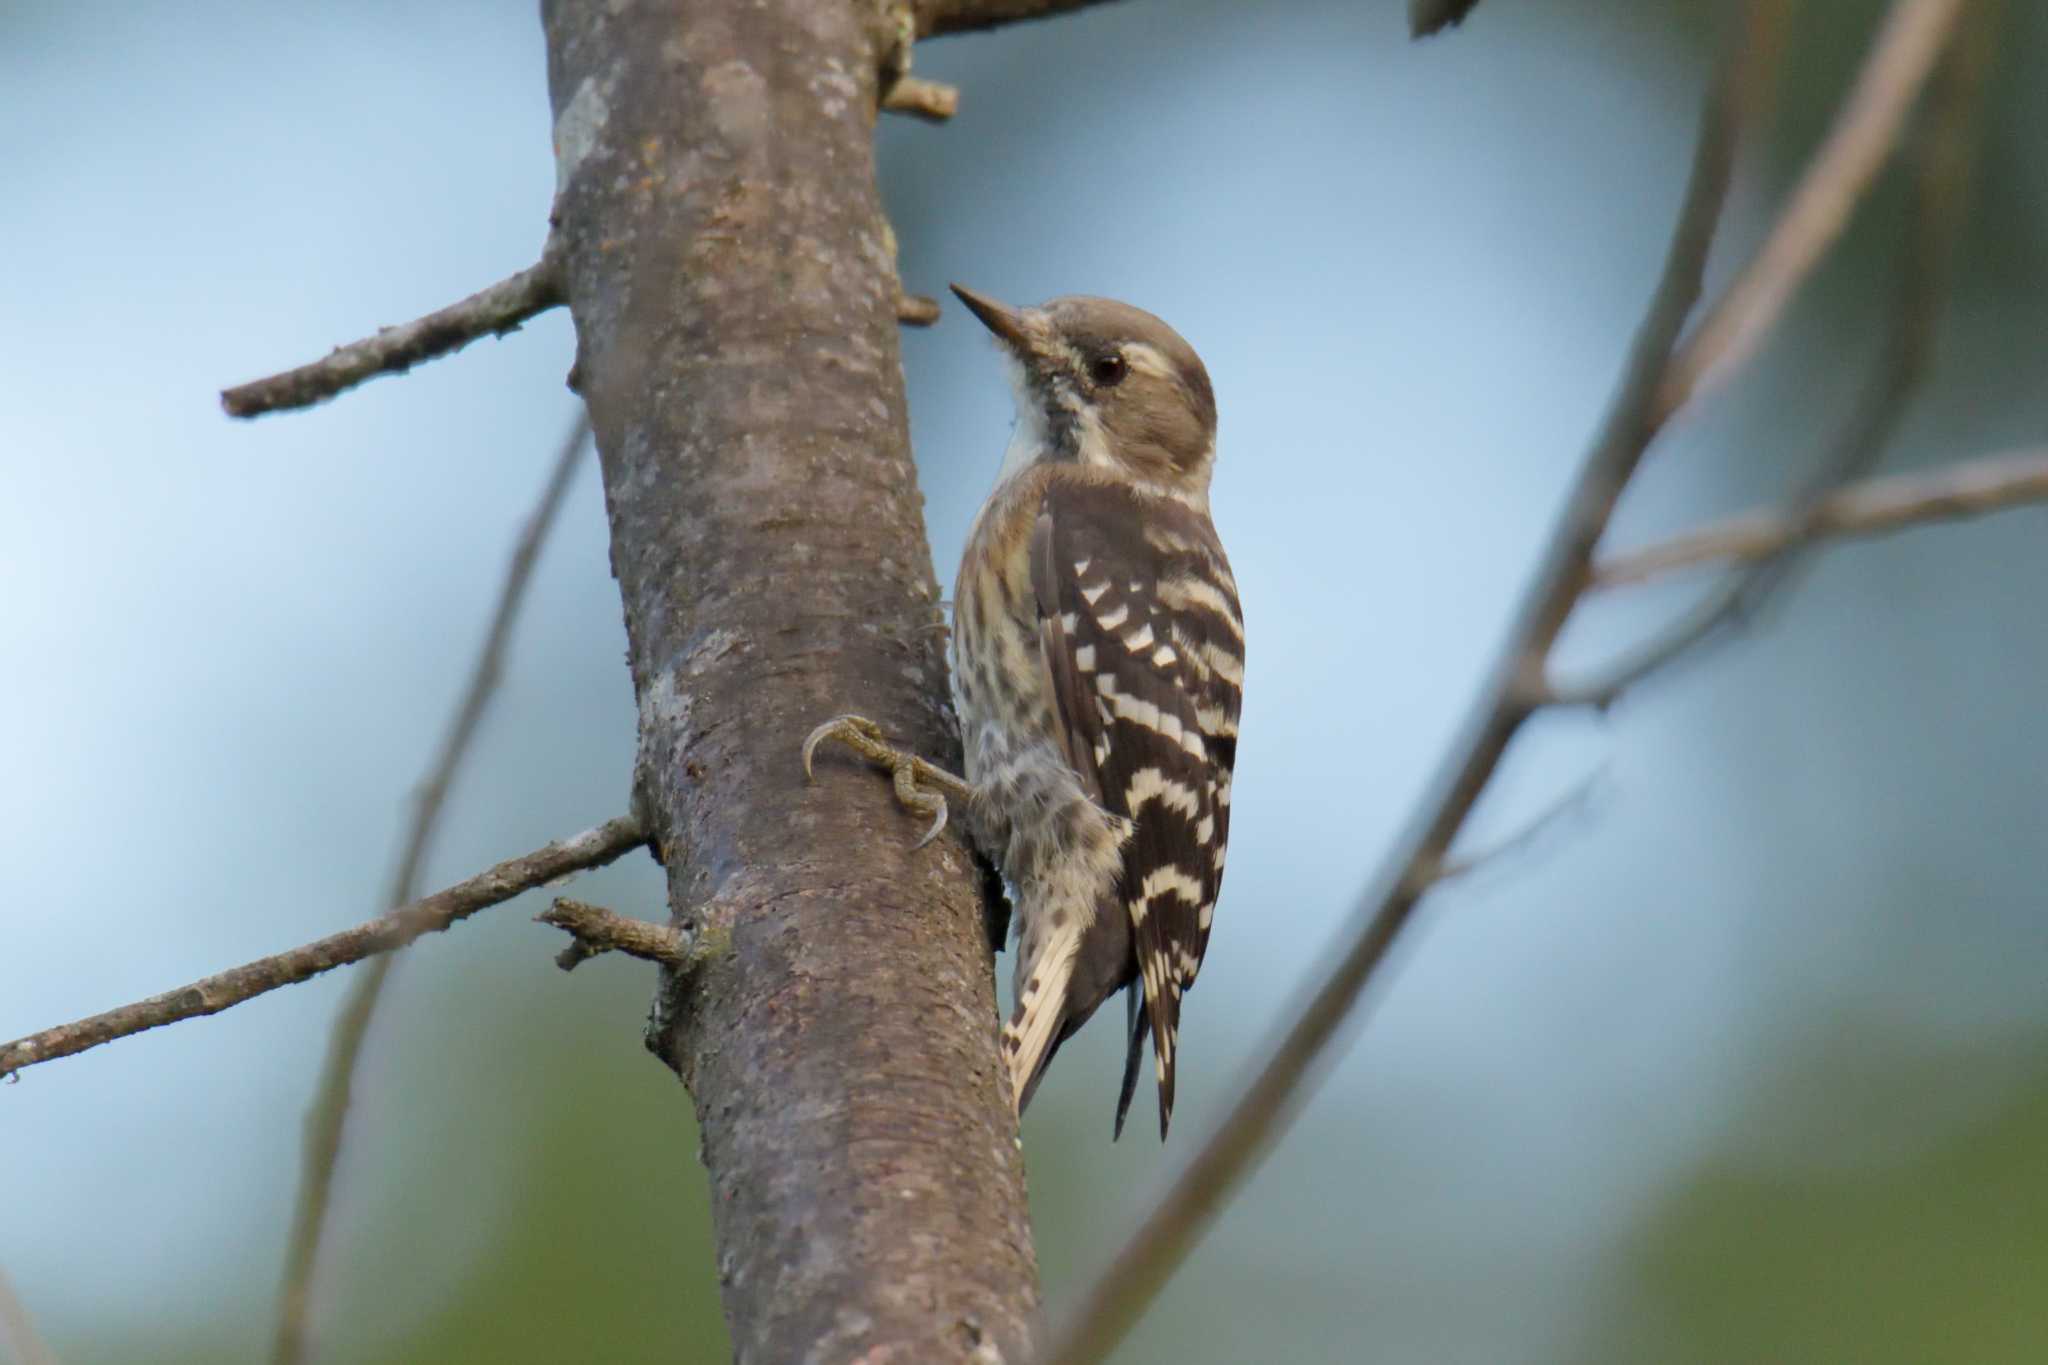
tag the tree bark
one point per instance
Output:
(734, 294)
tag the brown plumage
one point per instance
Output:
(1098, 662)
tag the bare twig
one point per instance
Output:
(25, 1345)
(1433, 16)
(916, 310)
(597, 930)
(1863, 134)
(1275, 1088)
(1943, 159)
(932, 101)
(394, 350)
(935, 17)
(326, 1122)
(1969, 488)
(429, 914)
(1575, 800)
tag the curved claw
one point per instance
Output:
(811, 743)
(915, 779)
(849, 730)
(938, 827)
(914, 797)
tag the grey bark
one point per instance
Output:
(729, 270)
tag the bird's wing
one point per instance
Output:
(1144, 641)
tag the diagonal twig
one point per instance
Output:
(1968, 488)
(494, 311)
(934, 17)
(1426, 17)
(1274, 1090)
(328, 1119)
(1862, 136)
(429, 914)
(1942, 165)
(25, 1345)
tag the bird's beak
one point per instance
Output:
(1006, 322)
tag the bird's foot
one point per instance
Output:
(921, 787)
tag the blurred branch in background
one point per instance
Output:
(1968, 488)
(934, 17)
(429, 914)
(1662, 375)
(1942, 157)
(25, 1345)
(1433, 16)
(326, 1123)
(1274, 1093)
(1865, 130)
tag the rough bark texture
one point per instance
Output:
(729, 271)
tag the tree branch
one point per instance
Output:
(429, 914)
(732, 280)
(1969, 488)
(1273, 1092)
(25, 1345)
(1433, 16)
(1864, 132)
(326, 1123)
(936, 17)
(932, 101)
(1942, 164)
(394, 350)
(597, 930)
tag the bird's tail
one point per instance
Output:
(1136, 1026)
(1034, 1030)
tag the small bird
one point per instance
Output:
(1098, 665)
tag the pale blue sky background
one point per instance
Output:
(1412, 271)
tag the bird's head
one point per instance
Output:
(1103, 384)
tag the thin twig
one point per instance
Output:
(1277, 1085)
(1968, 488)
(1943, 158)
(327, 1121)
(932, 101)
(916, 310)
(934, 17)
(25, 1345)
(1864, 131)
(596, 930)
(429, 914)
(1433, 16)
(1574, 801)
(394, 350)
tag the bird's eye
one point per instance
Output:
(1107, 371)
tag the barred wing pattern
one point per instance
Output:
(1143, 639)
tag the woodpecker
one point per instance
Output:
(1098, 664)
